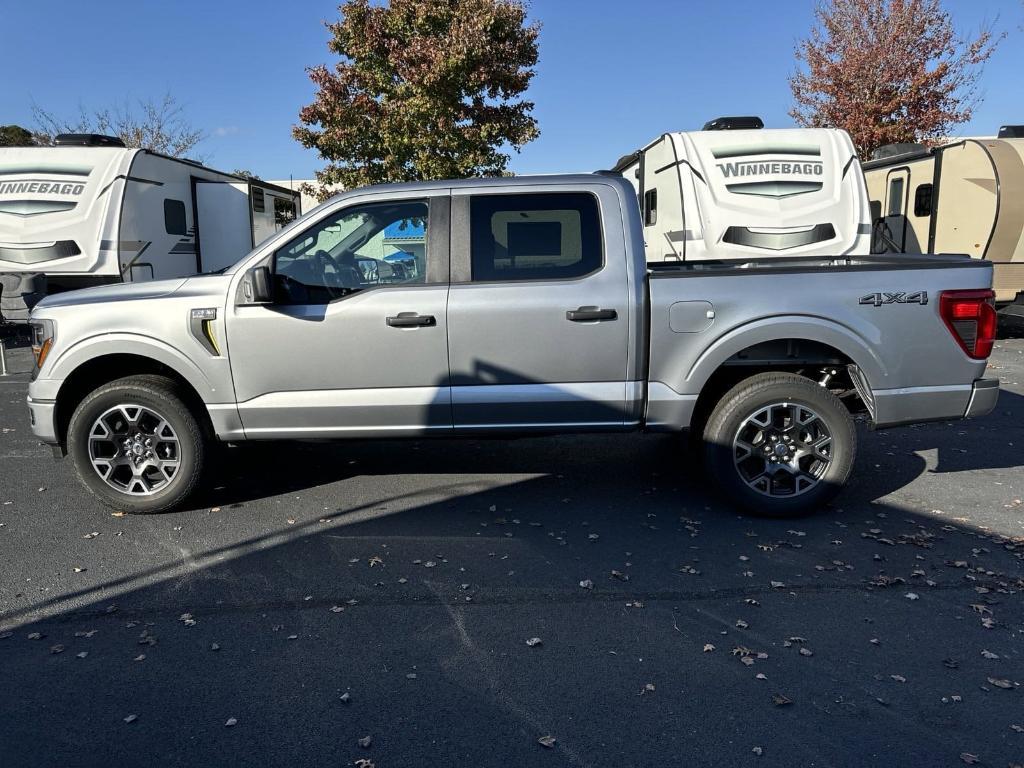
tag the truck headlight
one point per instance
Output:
(44, 332)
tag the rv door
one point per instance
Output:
(223, 227)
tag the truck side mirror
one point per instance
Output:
(260, 285)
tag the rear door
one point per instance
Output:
(538, 320)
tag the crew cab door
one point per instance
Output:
(354, 343)
(538, 313)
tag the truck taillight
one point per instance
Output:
(971, 318)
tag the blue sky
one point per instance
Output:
(612, 74)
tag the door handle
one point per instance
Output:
(587, 314)
(411, 320)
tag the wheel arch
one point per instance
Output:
(102, 369)
(780, 344)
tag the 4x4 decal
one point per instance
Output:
(878, 299)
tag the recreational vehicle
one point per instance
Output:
(964, 197)
(91, 211)
(736, 191)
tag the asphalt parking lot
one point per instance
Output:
(373, 601)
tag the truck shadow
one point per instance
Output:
(418, 606)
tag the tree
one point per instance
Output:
(160, 126)
(15, 136)
(888, 71)
(425, 89)
(246, 174)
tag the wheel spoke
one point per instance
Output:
(134, 449)
(793, 444)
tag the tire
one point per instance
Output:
(141, 477)
(779, 445)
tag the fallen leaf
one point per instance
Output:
(990, 655)
(131, 718)
(345, 698)
(708, 647)
(911, 596)
(898, 678)
(230, 722)
(587, 584)
(547, 741)
(648, 688)
(620, 575)
(780, 701)
(365, 742)
(968, 758)
(1000, 683)
(757, 751)
(533, 641)
(806, 651)
(760, 676)
(741, 624)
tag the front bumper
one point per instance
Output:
(43, 418)
(913, 405)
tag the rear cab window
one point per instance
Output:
(545, 236)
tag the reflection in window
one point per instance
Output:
(534, 237)
(354, 249)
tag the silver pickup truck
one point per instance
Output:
(508, 306)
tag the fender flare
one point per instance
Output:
(141, 346)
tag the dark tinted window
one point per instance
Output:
(534, 237)
(174, 217)
(923, 200)
(650, 207)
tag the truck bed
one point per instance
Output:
(876, 314)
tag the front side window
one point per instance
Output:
(361, 247)
(554, 236)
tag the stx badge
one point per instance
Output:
(878, 299)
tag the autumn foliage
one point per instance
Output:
(888, 71)
(425, 89)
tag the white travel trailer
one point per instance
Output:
(90, 211)
(736, 191)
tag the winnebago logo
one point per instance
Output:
(878, 299)
(772, 168)
(35, 187)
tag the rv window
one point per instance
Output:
(534, 237)
(650, 207)
(895, 197)
(174, 217)
(923, 200)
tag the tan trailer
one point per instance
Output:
(964, 197)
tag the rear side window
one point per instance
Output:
(174, 217)
(554, 236)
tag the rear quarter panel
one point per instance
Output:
(895, 345)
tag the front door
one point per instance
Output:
(538, 312)
(355, 342)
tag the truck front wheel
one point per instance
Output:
(136, 445)
(779, 444)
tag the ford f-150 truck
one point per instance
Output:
(508, 306)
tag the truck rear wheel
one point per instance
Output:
(136, 445)
(780, 445)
